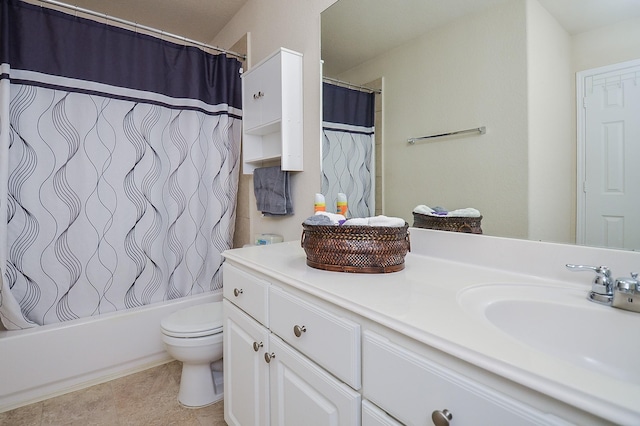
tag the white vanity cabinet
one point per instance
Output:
(272, 104)
(418, 391)
(267, 380)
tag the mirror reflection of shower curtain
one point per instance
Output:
(348, 147)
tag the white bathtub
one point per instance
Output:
(42, 362)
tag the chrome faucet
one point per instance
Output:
(623, 293)
(602, 285)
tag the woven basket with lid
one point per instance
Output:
(359, 249)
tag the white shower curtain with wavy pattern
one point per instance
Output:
(119, 160)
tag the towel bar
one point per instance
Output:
(482, 130)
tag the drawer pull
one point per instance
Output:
(237, 292)
(258, 95)
(257, 346)
(441, 418)
(269, 356)
(299, 329)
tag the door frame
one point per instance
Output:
(581, 171)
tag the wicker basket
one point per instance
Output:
(360, 249)
(469, 225)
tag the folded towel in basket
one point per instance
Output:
(468, 212)
(272, 189)
(380, 220)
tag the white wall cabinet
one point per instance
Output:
(272, 103)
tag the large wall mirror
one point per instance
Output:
(507, 65)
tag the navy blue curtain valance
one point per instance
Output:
(342, 105)
(98, 52)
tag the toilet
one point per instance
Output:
(193, 336)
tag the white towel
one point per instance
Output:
(386, 221)
(375, 221)
(422, 209)
(357, 221)
(468, 212)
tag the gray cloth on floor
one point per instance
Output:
(272, 189)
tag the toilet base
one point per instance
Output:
(200, 386)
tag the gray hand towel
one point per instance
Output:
(272, 190)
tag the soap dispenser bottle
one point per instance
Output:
(341, 204)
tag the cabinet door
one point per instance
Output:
(373, 416)
(271, 89)
(412, 388)
(262, 94)
(246, 374)
(304, 394)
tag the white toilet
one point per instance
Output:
(194, 336)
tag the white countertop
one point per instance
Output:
(422, 302)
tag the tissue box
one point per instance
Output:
(264, 239)
(360, 249)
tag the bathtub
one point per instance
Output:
(51, 360)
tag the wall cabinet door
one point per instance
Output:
(262, 94)
(246, 374)
(302, 393)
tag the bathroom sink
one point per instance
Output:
(561, 322)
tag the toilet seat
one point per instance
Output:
(195, 321)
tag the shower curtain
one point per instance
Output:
(348, 148)
(119, 157)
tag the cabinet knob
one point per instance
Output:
(299, 329)
(441, 418)
(237, 292)
(257, 346)
(269, 356)
(258, 95)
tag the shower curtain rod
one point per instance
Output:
(144, 27)
(357, 86)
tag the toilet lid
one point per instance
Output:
(195, 321)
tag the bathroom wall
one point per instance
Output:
(469, 73)
(295, 25)
(551, 146)
(607, 45)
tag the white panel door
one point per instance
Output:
(246, 374)
(612, 158)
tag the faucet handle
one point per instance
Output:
(602, 285)
(628, 285)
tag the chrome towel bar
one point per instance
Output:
(482, 130)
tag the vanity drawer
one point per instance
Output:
(246, 291)
(412, 388)
(331, 341)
